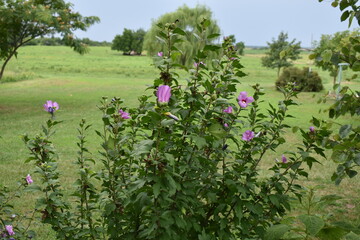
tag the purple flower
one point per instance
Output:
(9, 229)
(226, 125)
(228, 110)
(244, 100)
(312, 129)
(160, 54)
(163, 94)
(248, 135)
(283, 159)
(29, 179)
(51, 106)
(124, 115)
(198, 64)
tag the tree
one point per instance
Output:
(280, 52)
(240, 46)
(24, 20)
(187, 19)
(334, 49)
(129, 41)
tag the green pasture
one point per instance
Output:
(78, 82)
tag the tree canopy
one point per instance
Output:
(24, 20)
(281, 51)
(334, 49)
(129, 41)
(187, 19)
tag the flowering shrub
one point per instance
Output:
(12, 224)
(183, 164)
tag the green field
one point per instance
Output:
(78, 82)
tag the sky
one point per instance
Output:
(254, 22)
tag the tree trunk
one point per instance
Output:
(4, 65)
(278, 72)
(7, 60)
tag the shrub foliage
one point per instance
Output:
(305, 80)
(183, 165)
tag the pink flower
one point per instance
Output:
(124, 115)
(312, 129)
(51, 106)
(9, 229)
(160, 54)
(163, 94)
(29, 179)
(283, 159)
(228, 110)
(248, 135)
(226, 125)
(244, 100)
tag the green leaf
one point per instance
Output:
(110, 111)
(316, 122)
(167, 122)
(110, 143)
(109, 208)
(179, 31)
(339, 156)
(352, 236)
(344, 16)
(200, 142)
(214, 35)
(274, 200)
(312, 56)
(356, 66)
(344, 4)
(326, 55)
(357, 159)
(334, 4)
(32, 188)
(345, 130)
(217, 130)
(283, 53)
(156, 189)
(276, 232)
(351, 173)
(312, 223)
(211, 48)
(331, 233)
(143, 147)
(172, 184)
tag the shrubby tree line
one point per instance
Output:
(56, 41)
(133, 42)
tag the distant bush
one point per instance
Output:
(304, 79)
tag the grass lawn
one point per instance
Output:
(78, 82)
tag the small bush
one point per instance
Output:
(303, 79)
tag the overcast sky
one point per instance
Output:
(254, 22)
